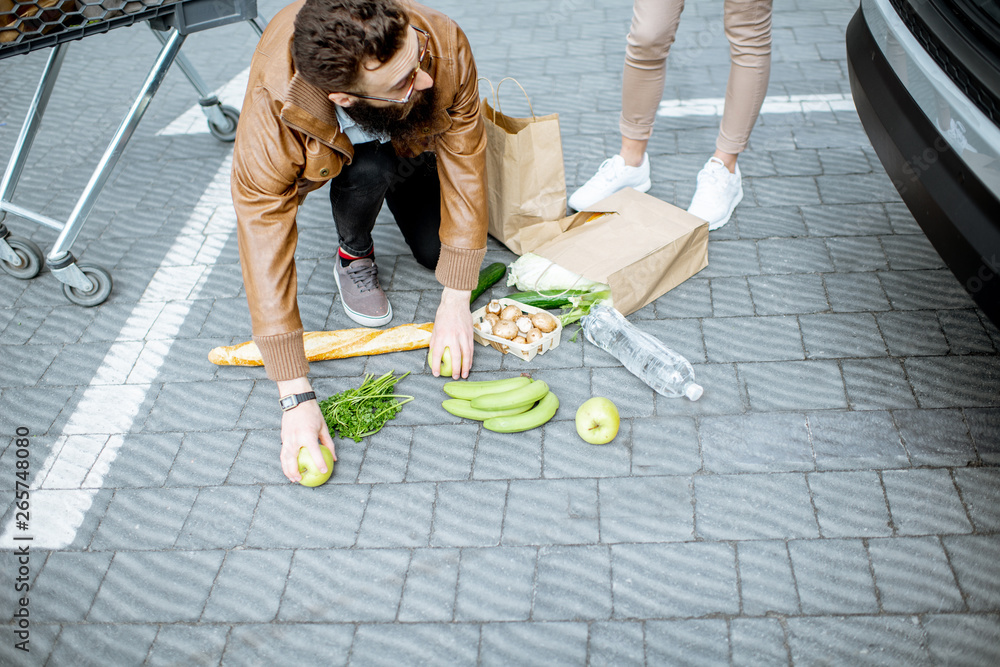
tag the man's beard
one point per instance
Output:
(402, 122)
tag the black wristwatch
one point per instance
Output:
(290, 401)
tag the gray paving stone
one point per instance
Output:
(632, 396)
(344, 585)
(78, 573)
(171, 411)
(731, 297)
(797, 163)
(850, 504)
(673, 580)
(665, 446)
(757, 641)
(980, 490)
(437, 454)
(646, 509)
(766, 582)
(203, 459)
(936, 437)
(731, 258)
(974, 560)
(317, 526)
(729, 507)
(565, 454)
(769, 222)
(533, 643)
(925, 502)
(413, 644)
(965, 332)
(856, 440)
(753, 339)
(616, 643)
(964, 639)
(551, 512)
(984, 425)
(857, 253)
(178, 594)
(788, 294)
(498, 456)
(794, 385)
(912, 333)
(756, 443)
(143, 460)
(857, 640)
(945, 382)
(833, 577)
(913, 290)
(24, 365)
(689, 299)
(219, 518)
(701, 641)
(804, 255)
(855, 292)
(36, 408)
(841, 335)
(144, 519)
(248, 587)
(913, 575)
(258, 463)
(23, 325)
(397, 515)
(855, 188)
(95, 644)
(386, 456)
(468, 513)
(189, 645)
(272, 643)
(846, 220)
(495, 584)
(572, 583)
(907, 252)
(723, 394)
(877, 384)
(430, 588)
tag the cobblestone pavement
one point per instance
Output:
(832, 499)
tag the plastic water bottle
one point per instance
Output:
(650, 360)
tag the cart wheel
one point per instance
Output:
(30, 255)
(97, 294)
(227, 132)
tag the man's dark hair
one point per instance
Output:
(334, 38)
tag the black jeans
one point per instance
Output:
(409, 186)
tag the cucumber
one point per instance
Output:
(533, 418)
(546, 298)
(488, 277)
(464, 409)
(511, 399)
(470, 389)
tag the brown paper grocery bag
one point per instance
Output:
(524, 170)
(640, 246)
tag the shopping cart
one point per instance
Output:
(37, 24)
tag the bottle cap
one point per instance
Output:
(693, 391)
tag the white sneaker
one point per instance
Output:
(613, 175)
(718, 193)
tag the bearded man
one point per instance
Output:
(378, 98)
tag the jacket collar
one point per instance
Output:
(308, 108)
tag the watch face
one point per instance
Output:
(287, 402)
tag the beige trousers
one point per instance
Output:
(654, 25)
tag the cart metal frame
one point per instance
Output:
(89, 284)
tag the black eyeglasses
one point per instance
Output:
(413, 76)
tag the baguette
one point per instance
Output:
(321, 345)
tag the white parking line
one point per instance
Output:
(713, 106)
(67, 482)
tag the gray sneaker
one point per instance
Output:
(360, 292)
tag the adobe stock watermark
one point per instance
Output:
(917, 165)
(986, 272)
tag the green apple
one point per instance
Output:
(445, 362)
(597, 421)
(311, 476)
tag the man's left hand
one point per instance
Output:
(453, 329)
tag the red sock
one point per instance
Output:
(346, 258)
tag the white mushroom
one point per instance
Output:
(533, 335)
(494, 307)
(544, 321)
(510, 312)
(523, 324)
(505, 329)
(485, 327)
(492, 318)
(519, 340)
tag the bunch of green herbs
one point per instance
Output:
(358, 413)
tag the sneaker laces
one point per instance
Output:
(611, 169)
(715, 172)
(364, 275)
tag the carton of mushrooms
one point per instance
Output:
(516, 328)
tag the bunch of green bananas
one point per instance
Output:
(505, 406)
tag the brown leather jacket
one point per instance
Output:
(289, 143)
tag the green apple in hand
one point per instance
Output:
(597, 421)
(311, 476)
(445, 362)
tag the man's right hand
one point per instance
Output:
(302, 426)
